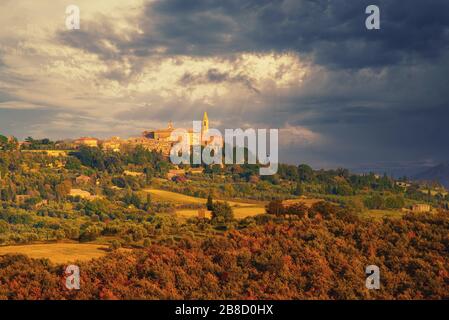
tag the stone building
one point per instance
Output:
(421, 208)
(86, 141)
(160, 140)
(112, 144)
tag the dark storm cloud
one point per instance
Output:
(332, 31)
(214, 76)
(394, 140)
(402, 116)
(97, 37)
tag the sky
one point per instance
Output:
(340, 94)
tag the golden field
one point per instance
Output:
(239, 212)
(241, 209)
(184, 199)
(60, 253)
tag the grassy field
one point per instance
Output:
(180, 198)
(58, 252)
(380, 214)
(174, 197)
(241, 209)
(239, 212)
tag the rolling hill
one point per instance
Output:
(439, 173)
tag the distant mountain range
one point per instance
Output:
(439, 173)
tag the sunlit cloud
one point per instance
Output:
(299, 136)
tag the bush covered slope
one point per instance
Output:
(311, 258)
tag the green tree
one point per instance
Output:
(299, 191)
(90, 233)
(3, 141)
(114, 245)
(132, 198)
(210, 202)
(297, 209)
(222, 211)
(148, 204)
(73, 163)
(275, 207)
(376, 201)
(305, 173)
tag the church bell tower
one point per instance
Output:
(204, 128)
(205, 125)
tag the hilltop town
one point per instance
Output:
(153, 140)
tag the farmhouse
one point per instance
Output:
(421, 208)
(21, 198)
(403, 184)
